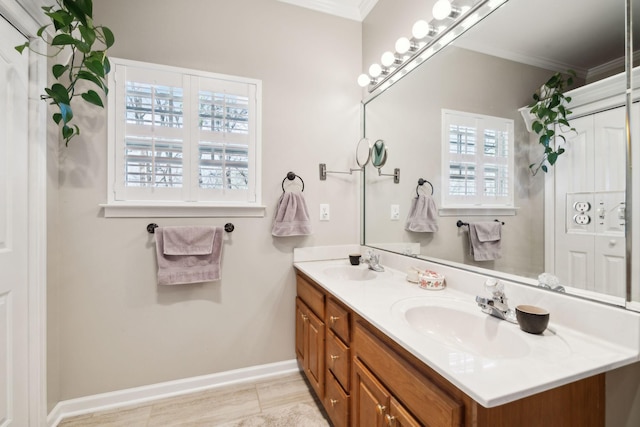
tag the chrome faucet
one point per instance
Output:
(496, 305)
(373, 259)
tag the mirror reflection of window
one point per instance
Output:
(477, 160)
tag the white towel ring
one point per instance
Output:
(421, 182)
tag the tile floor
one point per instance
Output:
(280, 402)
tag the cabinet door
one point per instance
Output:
(370, 399)
(314, 357)
(310, 346)
(398, 416)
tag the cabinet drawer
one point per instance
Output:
(338, 320)
(338, 359)
(311, 296)
(336, 403)
(429, 403)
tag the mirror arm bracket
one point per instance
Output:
(324, 171)
(395, 175)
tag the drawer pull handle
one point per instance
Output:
(381, 409)
(304, 317)
(333, 402)
(334, 319)
(333, 358)
(391, 420)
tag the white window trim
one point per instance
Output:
(447, 208)
(148, 208)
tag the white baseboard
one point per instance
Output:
(139, 395)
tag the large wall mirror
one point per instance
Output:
(569, 222)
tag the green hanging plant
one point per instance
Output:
(87, 43)
(549, 111)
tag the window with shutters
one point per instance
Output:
(183, 139)
(477, 161)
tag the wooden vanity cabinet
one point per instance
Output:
(365, 379)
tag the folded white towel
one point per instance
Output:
(177, 269)
(484, 240)
(423, 215)
(292, 217)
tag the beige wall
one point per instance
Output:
(110, 326)
(380, 30)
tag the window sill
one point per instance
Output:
(181, 210)
(476, 210)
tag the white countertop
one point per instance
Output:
(531, 364)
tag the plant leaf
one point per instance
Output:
(544, 168)
(41, 30)
(58, 93)
(57, 117)
(75, 7)
(86, 75)
(537, 127)
(109, 39)
(63, 40)
(59, 70)
(95, 66)
(92, 97)
(88, 34)
(22, 47)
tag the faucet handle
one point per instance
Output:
(494, 287)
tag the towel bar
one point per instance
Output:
(291, 176)
(151, 228)
(460, 223)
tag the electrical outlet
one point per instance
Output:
(395, 212)
(582, 206)
(581, 219)
(324, 212)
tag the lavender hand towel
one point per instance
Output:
(484, 240)
(178, 269)
(423, 215)
(188, 240)
(292, 216)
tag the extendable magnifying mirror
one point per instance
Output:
(379, 155)
(363, 157)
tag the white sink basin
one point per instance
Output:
(461, 325)
(350, 272)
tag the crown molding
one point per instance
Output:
(355, 10)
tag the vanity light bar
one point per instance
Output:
(428, 38)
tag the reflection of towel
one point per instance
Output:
(484, 240)
(188, 254)
(422, 215)
(292, 218)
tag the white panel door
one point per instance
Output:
(14, 358)
(590, 205)
(574, 179)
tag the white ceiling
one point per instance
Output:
(350, 9)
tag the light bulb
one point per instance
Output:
(388, 59)
(403, 45)
(375, 70)
(441, 9)
(420, 29)
(363, 80)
